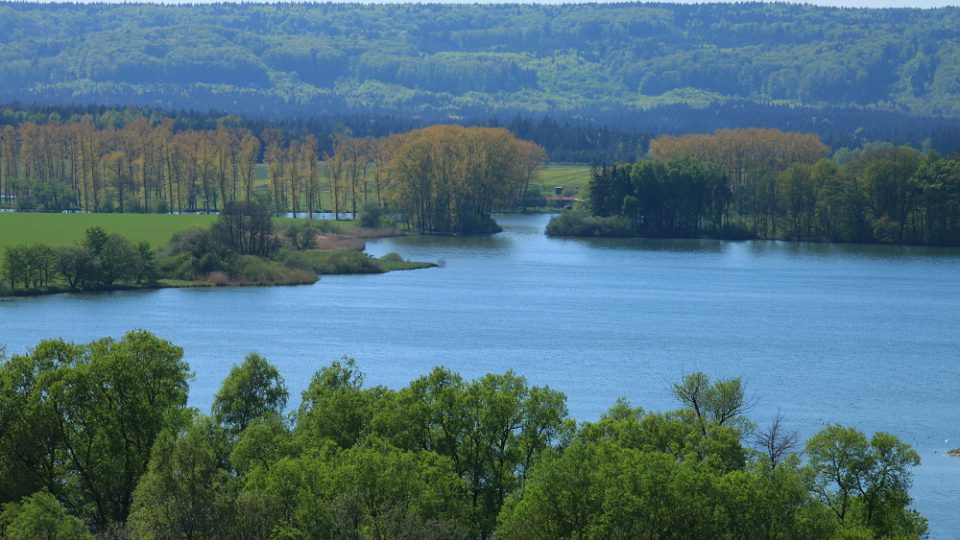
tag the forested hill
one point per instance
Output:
(469, 60)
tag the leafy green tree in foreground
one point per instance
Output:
(252, 390)
(186, 491)
(685, 474)
(638, 475)
(80, 420)
(335, 407)
(866, 483)
(40, 516)
(100, 434)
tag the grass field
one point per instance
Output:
(569, 176)
(66, 229)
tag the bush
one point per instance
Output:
(40, 516)
(302, 235)
(296, 259)
(371, 215)
(178, 266)
(252, 270)
(613, 226)
(393, 261)
(203, 254)
(219, 279)
(343, 261)
(578, 223)
(570, 224)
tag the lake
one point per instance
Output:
(867, 336)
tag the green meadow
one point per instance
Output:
(65, 229)
(571, 177)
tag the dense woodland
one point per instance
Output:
(440, 179)
(665, 68)
(768, 184)
(97, 438)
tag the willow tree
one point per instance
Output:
(448, 179)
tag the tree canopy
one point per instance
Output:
(448, 178)
(743, 184)
(98, 438)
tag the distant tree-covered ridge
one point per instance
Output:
(769, 184)
(469, 60)
(97, 438)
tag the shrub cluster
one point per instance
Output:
(579, 223)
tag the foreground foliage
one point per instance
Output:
(100, 434)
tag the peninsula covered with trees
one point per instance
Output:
(96, 438)
(770, 184)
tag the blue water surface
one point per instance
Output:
(859, 335)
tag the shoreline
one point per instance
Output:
(387, 267)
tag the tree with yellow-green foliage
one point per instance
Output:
(448, 179)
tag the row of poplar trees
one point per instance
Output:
(443, 178)
(141, 167)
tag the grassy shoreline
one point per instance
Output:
(338, 250)
(157, 229)
(385, 266)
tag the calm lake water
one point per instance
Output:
(860, 335)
